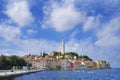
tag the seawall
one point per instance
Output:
(8, 76)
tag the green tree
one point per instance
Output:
(85, 57)
(44, 54)
(72, 54)
(17, 61)
(29, 64)
(14, 61)
(22, 62)
(3, 63)
(9, 62)
(55, 54)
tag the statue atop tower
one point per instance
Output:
(63, 47)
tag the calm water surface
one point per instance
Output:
(108, 74)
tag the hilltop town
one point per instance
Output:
(64, 61)
(53, 61)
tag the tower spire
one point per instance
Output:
(63, 46)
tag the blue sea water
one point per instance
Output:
(106, 74)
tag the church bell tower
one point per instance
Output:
(63, 47)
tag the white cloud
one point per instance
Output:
(85, 47)
(73, 34)
(108, 41)
(91, 22)
(107, 37)
(9, 33)
(36, 46)
(19, 12)
(62, 16)
(10, 52)
(33, 46)
(30, 32)
(65, 16)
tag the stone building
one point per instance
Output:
(102, 65)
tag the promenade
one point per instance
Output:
(4, 73)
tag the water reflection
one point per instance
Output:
(110, 74)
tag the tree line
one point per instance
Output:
(73, 54)
(7, 63)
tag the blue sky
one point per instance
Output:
(89, 27)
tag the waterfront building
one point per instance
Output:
(68, 57)
(50, 62)
(56, 55)
(54, 65)
(65, 64)
(77, 65)
(60, 60)
(102, 65)
(91, 65)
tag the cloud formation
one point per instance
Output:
(62, 16)
(31, 32)
(19, 12)
(108, 36)
(91, 22)
(9, 33)
(70, 17)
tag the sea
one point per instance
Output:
(103, 74)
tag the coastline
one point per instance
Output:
(17, 73)
(11, 75)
